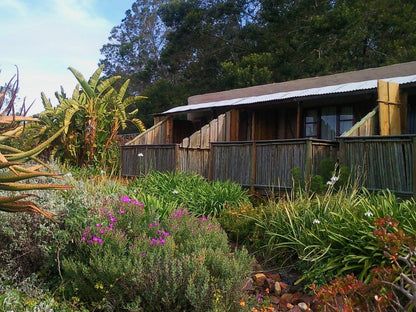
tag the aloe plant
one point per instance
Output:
(14, 171)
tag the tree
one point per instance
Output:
(95, 113)
(136, 44)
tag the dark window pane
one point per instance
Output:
(328, 123)
(346, 113)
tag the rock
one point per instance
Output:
(259, 279)
(296, 297)
(270, 284)
(274, 300)
(303, 306)
(273, 276)
(295, 309)
(285, 299)
(277, 289)
(284, 286)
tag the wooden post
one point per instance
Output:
(298, 121)
(210, 163)
(414, 167)
(253, 125)
(253, 167)
(403, 111)
(234, 124)
(389, 107)
(177, 165)
(169, 130)
(308, 163)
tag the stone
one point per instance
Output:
(295, 309)
(303, 306)
(274, 300)
(285, 299)
(259, 279)
(277, 289)
(296, 297)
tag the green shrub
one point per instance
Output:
(129, 258)
(188, 190)
(332, 235)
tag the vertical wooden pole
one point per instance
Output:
(308, 163)
(389, 108)
(234, 128)
(169, 130)
(253, 125)
(414, 167)
(253, 167)
(176, 164)
(403, 111)
(211, 162)
(298, 121)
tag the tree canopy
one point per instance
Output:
(171, 49)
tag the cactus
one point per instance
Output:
(14, 171)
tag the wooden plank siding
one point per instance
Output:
(381, 162)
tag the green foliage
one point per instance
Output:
(251, 70)
(94, 114)
(13, 170)
(333, 234)
(128, 258)
(189, 190)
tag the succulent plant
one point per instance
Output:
(17, 166)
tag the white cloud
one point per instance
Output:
(44, 38)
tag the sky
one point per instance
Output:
(45, 37)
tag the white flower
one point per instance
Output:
(316, 221)
(175, 192)
(69, 174)
(368, 214)
(333, 180)
(102, 172)
(140, 155)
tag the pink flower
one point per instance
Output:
(126, 199)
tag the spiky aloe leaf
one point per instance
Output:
(10, 119)
(4, 200)
(13, 177)
(12, 133)
(37, 150)
(26, 206)
(24, 187)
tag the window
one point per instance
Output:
(311, 123)
(346, 119)
(328, 122)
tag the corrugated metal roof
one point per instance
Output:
(298, 94)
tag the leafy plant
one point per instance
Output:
(12, 160)
(96, 111)
(129, 259)
(189, 190)
(332, 235)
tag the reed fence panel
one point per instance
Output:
(232, 161)
(137, 160)
(194, 160)
(269, 163)
(381, 162)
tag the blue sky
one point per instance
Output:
(44, 37)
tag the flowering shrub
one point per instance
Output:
(391, 287)
(129, 259)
